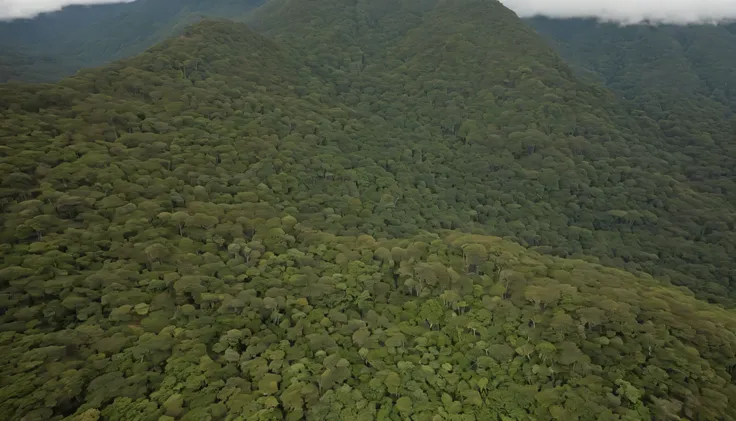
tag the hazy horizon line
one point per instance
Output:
(629, 12)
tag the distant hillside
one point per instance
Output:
(20, 65)
(88, 36)
(681, 77)
(641, 59)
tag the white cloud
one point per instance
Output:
(626, 11)
(12, 9)
(629, 11)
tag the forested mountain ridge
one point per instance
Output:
(78, 37)
(490, 103)
(682, 77)
(231, 227)
(454, 143)
(640, 58)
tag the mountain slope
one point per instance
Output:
(507, 143)
(157, 270)
(682, 77)
(533, 135)
(87, 36)
(16, 65)
(666, 59)
(233, 227)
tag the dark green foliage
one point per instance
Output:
(17, 65)
(651, 60)
(232, 227)
(680, 77)
(511, 136)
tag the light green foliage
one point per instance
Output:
(505, 365)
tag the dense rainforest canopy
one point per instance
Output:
(391, 210)
(681, 77)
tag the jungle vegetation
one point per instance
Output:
(681, 77)
(389, 210)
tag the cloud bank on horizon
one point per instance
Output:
(15, 9)
(625, 11)
(629, 11)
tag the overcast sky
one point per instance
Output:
(27, 8)
(678, 11)
(675, 11)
